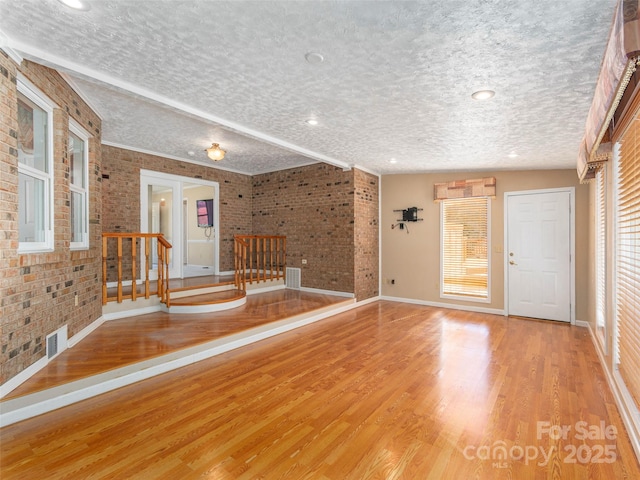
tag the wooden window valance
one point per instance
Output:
(478, 187)
(620, 61)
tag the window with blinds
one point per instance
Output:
(464, 259)
(627, 279)
(600, 265)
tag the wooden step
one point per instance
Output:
(213, 301)
(209, 298)
(203, 286)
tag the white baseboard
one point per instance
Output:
(466, 308)
(73, 341)
(131, 313)
(34, 368)
(367, 301)
(23, 376)
(253, 291)
(327, 292)
(582, 323)
(633, 430)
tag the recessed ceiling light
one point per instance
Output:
(393, 160)
(314, 57)
(483, 94)
(191, 153)
(512, 155)
(76, 4)
(312, 121)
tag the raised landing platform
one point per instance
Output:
(125, 351)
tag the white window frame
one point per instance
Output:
(26, 88)
(441, 278)
(83, 135)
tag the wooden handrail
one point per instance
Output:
(126, 255)
(259, 258)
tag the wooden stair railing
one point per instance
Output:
(125, 253)
(259, 258)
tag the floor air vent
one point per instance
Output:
(293, 278)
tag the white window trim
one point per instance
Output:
(77, 130)
(26, 88)
(461, 297)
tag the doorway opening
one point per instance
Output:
(169, 205)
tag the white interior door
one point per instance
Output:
(539, 247)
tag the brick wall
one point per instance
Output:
(366, 209)
(313, 206)
(121, 182)
(38, 290)
(328, 215)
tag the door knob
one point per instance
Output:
(511, 262)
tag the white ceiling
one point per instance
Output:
(171, 76)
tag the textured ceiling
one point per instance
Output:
(396, 81)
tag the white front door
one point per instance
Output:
(538, 256)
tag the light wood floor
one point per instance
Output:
(384, 391)
(117, 343)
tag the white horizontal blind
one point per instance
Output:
(464, 259)
(628, 260)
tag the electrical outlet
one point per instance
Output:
(304, 261)
(76, 300)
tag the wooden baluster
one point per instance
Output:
(104, 270)
(251, 260)
(235, 261)
(134, 266)
(237, 253)
(278, 258)
(264, 259)
(271, 258)
(160, 267)
(166, 278)
(147, 257)
(244, 266)
(119, 269)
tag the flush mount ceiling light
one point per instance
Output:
(312, 121)
(512, 155)
(76, 4)
(215, 153)
(393, 160)
(483, 94)
(314, 58)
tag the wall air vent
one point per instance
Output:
(293, 278)
(56, 342)
(52, 345)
